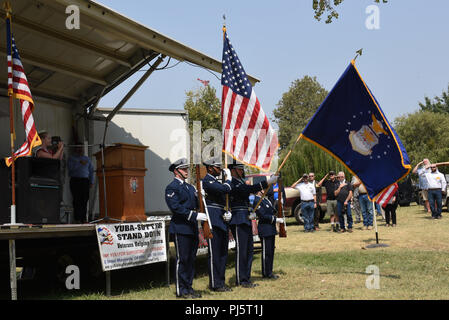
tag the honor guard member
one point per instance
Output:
(266, 228)
(240, 223)
(215, 197)
(182, 201)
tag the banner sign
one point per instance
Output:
(125, 245)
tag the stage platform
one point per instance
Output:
(9, 232)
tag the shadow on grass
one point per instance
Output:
(48, 286)
(391, 276)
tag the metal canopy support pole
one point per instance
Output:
(12, 268)
(136, 86)
(109, 118)
(108, 283)
(167, 245)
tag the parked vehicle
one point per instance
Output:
(405, 192)
(291, 205)
(445, 199)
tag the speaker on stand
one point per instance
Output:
(38, 191)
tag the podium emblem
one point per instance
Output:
(133, 184)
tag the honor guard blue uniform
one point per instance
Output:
(266, 228)
(240, 224)
(182, 201)
(218, 245)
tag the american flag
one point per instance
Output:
(18, 87)
(247, 133)
(387, 194)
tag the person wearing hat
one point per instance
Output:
(182, 201)
(331, 185)
(216, 192)
(240, 223)
(266, 229)
(307, 193)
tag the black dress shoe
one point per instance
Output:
(272, 276)
(222, 289)
(249, 285)
(184, 296)
(195, 294)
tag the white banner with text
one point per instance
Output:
(125, 245)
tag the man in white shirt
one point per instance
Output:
(308, 202)
(436, 185)
(421, 169)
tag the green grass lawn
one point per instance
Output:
(320, 265)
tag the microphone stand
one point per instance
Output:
(106, 217)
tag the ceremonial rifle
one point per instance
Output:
(282, 226)
(201, 205)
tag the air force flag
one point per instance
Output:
(351, 126)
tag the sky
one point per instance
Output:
(405, 57)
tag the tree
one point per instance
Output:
(296, 107)
(203, 105)
(424, 135)
(322, 6)
(293, 112)
(439, 105)
(306, 158)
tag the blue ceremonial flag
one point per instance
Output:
(351, 126)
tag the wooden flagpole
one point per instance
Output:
(277, 172)
(225, 155)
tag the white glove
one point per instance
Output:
(227, 216)
(279, 220)
(272, 179)
(227, 173)
(252, 216)
(201, 216)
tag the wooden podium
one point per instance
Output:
(124, 168)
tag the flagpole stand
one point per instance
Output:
(377, 244)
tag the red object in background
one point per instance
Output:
(204, 82)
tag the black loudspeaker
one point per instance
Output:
(38, 191)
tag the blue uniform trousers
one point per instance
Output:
(218, 255)
(186, 247)
(244, 243)
(267, 255)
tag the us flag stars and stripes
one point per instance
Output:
(18, 87)
(247, 133)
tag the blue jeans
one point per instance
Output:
(435, 196)
(307, 210)
(340, 208)
(367, 210)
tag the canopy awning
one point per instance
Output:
(79, 66)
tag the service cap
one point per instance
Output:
(179, 164)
